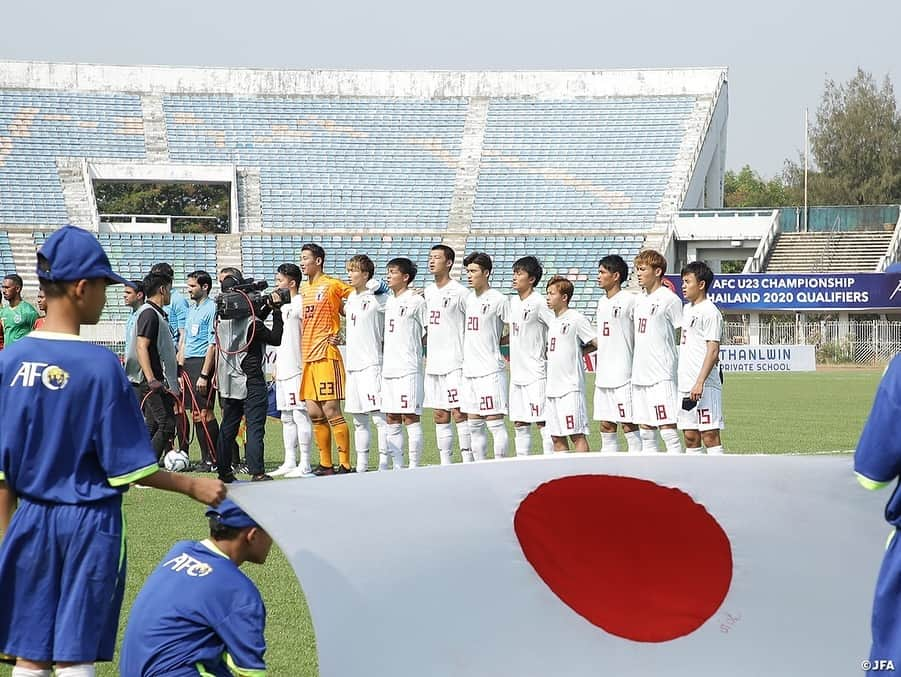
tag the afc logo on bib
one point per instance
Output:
(52, 377)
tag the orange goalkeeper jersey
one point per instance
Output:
(321, 317)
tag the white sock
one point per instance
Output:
(395, 433)
(463, 439)
(478, 434)
(715, 451)
(633, 439)
(381, 428)
(28, 672)
(444, 434)
(80, 670)
(547, 442)
(609, 443)
(522, 435)
(500, 437)
(304, 436)
(671, 441)
(694, 451)
(648, 441)
(414, 442)
(289, 437)
(361, 441)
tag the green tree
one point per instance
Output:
(746, 188)
(856, 144)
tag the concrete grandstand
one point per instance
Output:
(564, 165)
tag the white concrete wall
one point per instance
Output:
(413, 84)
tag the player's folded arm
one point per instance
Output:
(877, 461)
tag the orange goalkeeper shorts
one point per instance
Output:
(323, 380)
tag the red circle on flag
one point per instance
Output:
(642, 561)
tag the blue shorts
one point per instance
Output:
(62, 578)
(887, 606)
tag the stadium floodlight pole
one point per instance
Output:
(806, 155)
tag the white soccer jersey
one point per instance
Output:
(615, 339)
(484, 326)
(701, 323)
(288, 362)
(446, 314)
(656, 317)
(529, 319)
(364, 329)
(405, 322)
(565, 365)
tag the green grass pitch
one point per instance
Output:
(766, 413)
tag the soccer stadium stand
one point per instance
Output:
(6, 255)
(601, 164)
(825, 252)
(558, 164)
(39, 127)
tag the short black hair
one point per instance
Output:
(232, 272)
(138, 286)
(15, 279)
(449, 253)
(701, 271)
(291, 270)
(153, 282)
(615, 263)
(203, 278)
(220, 532)
(530, 266)
(481, 259)
(405, 266)
(163, 268)
(317, 251)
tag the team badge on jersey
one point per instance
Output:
(485, 307)
(52, 377)
(446, 301)
(184, 563)
(320, 294)
(564, 327)
(654, 308)
(616, 310)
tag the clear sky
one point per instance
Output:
(778, 52)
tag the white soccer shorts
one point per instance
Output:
(287, 394)
(363, 390)
(442, 391)
(655, 405)
(527, 401)
(484, 395)
(402, 395)
(613, 404)
(567, 415)
(707, 414)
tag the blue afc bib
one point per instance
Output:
(197, 613)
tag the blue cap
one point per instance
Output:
(229, 514)
(75, 254)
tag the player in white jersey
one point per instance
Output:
(402, 382)
(528, 318)
(484, 397)
(297, 431)
(569, 338)
(615, 341)
(446, 305)
(658, 313)
(364, 314)
(700, 382)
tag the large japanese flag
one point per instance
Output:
(585, 564)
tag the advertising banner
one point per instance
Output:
(797, 292)
(768, 358)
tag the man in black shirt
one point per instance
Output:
(151, 365)
(241, 345)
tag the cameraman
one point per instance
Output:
(241, 337)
